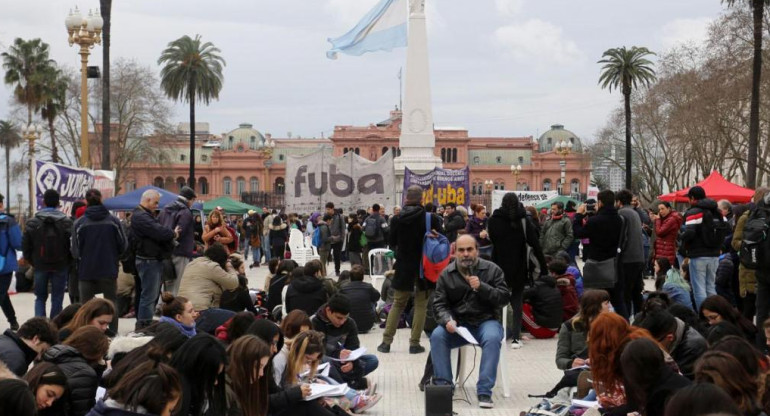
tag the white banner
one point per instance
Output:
(593, 192)
(350, 182)
(525, 197)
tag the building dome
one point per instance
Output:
(245, 134)
(548, 140)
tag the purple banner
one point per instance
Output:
(71, 182)
(440, 186)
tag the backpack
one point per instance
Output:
(714, 230)
(128, 258)
(753, 252)
(435, 253)
(49, 237)
(316, 241)
(372, 229)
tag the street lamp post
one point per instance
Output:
(563, 148)
(86, 32)
(488, 183)
(268, 151)
(516, 171)
(31, 133)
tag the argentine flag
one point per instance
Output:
(382, 29)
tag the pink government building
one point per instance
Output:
(246, 164)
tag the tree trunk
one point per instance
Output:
(627, 107)
(54, 150)
(106, 8)
(758, 7)
(191, 180)
(8, 177)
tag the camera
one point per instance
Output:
(591, 206)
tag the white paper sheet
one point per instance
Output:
(585, 403)
(354, 355)
(463, 332)
(323, 369)
(326, 390)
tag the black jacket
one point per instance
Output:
(336, 339)
(30, 244)
(509, 246)
(152, 239)
(274, 292)
(98, 241)
(546, 301)
(305, 293)
(82, 379)
(454, 298)
(453, 223)
(692, 243)
(603, 231)
(363, 298)
(178, 213)
(688, 346)
(406, 232)
(15, 353)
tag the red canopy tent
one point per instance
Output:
(716, 187)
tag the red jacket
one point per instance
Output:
(569, 297)
(666, 233)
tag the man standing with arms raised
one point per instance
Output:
(406, 232)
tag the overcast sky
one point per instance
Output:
(498, 67)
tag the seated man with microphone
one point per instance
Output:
(470, 294)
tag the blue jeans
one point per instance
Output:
(58, 279)
(370, 362)
(256, 255)
(150, 274)
(703, 273)
(489, 335)
(266, 247)
(5, 299)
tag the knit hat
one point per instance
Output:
(188, 193)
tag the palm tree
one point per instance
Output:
(25, 64)
(54, 94)
(758, 9)
(624, 69)
(106, 9)
(9, 139)
(192, 70)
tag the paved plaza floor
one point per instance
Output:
(530, 370)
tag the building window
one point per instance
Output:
(240, 186)
(476, 160)
(180, 182)
(443, 155)
(253, 184)
(521, 159)
(169, 183)
(548, 140)
(280, 157)
(454, 155)
(499, 185)
(499, 159)
(345, 150)
(130, 186)
(575, 186)
(182, 157)
(547, 185)
(358, 151)
(230, 141)
(280, 187)
(204, 158)
(253, 144)
(203, 186)
(477, 188)
(157, 182)
(228, 186)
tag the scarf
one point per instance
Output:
(189, 331)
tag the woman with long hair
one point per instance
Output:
(724, 370)
(572, 347)
(179, 312)
(153, 388)
(477, 227)
(48, 383)
(247, 386)
(716, 309)
(669, 280)
(701, 399)
(215, 230)
(201, 363)
(754, 362)
(510, 232)
(96, 312)
(295, 323)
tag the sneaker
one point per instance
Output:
(385, 348)
(485, 401)
(365, 403)
(416, 349)
(516, 344)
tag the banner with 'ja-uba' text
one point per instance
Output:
(440, 186)
(71, 183)
(351, 182)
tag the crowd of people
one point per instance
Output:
(205, 343)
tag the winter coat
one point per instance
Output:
(571, 344)
(687, 347)
(545, 299)
(15, 353)
(98, 241)
(556, 235)
(179, 214)
(274, 291)
(603, 229)
(32, 248)
(678, 294)
(323, 229)
(474, 227)
(82, 379)
(569, 298)
(669, 383)
(747, 278)
(354, 237)
(691, 239)
(509, 247)
(724, 278)
(10, 241)
(336, 339)
(337, 229)
(454, 298)
(666, 233)
(453, 223)
(204, 281)
(633, 250)
(279, 235)
(363, 298)
(305, 293)
(406, 232)
(380, 224)
(153, 240)
(113, 408)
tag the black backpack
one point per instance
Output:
(755, 249)
(372, 229)
(714, 229)
(52, 249)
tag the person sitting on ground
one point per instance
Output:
(716, 309)
(18, 350)
(201, 364)
(566, 285)
(470, 293)
(97, 312)
(179, 312)
(246, 382)
(277, 283)
(543, 308)
(235, 327)
(574, 271)
(341, 338)
(684, 343)
(15, 397)
(307, 292)
(295, 323)
(363, 299)
(670, 281)
(724, 370)
(238, 299)
(701, 399)
(272, 270)
(48, 383)
(572, 346)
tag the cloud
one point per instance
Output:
(509, 7)
(536, 41)
(349, 12)
(680, 31)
